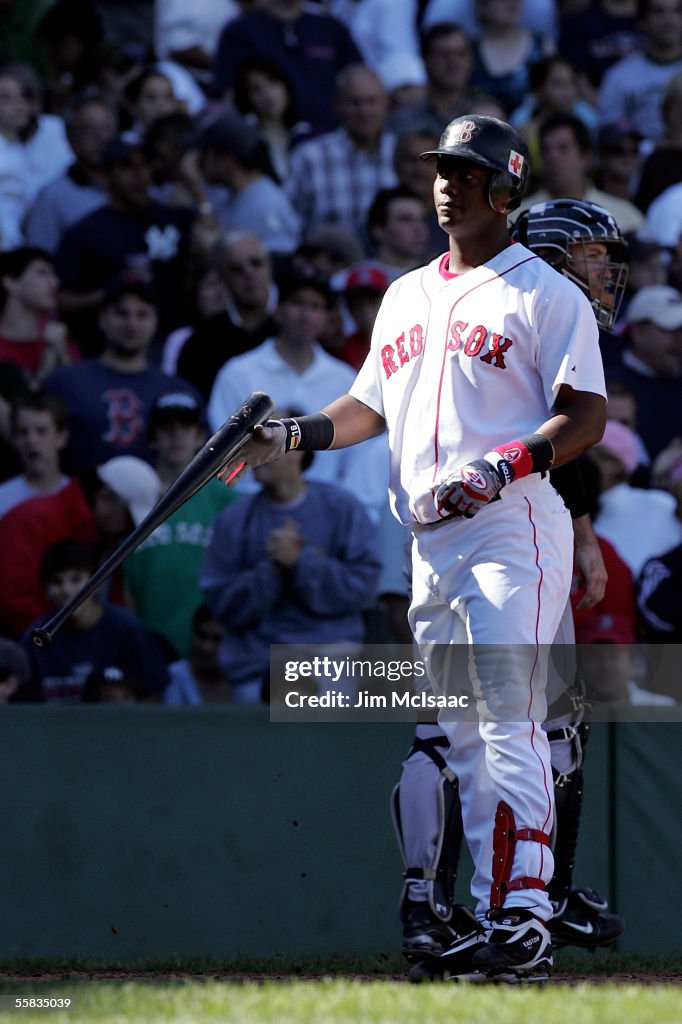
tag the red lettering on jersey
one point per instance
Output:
(124, 413)
(497, 348)
(474, 342)
(416, 340)
(388, 360)
(455, 341)
(400, 347)
(404, 355)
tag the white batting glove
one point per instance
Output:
(265, 445)
(471, 487)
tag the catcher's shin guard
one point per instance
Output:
(438, 866)
(581, 916)
(505, 837)
(568, 797)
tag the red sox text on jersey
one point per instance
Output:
(471, 340)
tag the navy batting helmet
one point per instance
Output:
(561, 230)
(494, 144)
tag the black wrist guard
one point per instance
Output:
(568, 481)
(308, 433)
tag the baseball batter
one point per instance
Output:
(583, 242)
(485, 371)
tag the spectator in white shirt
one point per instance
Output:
(640, 524)
(632, 90)
(382, 29)
(294, 370)
(33, 149)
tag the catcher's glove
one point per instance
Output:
(473, 486)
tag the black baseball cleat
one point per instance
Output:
(424, 934)
(455, 963)
(519, 948)
(581, 920)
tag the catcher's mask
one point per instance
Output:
(562, 231)
(493, 144)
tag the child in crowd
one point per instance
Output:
(39, 433)
(96, 638)
(162, 574)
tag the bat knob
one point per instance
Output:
(41, 637)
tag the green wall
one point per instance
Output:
(152, 832)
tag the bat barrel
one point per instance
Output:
(226, 441)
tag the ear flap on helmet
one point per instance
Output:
(504, 192)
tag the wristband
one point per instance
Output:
(515, 459)
(309, 433)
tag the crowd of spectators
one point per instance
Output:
(202, 200)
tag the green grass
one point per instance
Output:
(187, 992)
(334, 1001)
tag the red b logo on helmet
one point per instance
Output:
(464, 131)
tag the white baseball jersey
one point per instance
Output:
(461, 363)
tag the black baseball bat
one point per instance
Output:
(219, 448)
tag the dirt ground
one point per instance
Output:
(241, 977)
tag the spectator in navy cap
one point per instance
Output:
(131, 231)
(233, 154)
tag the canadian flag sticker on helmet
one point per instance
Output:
(515, 165)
